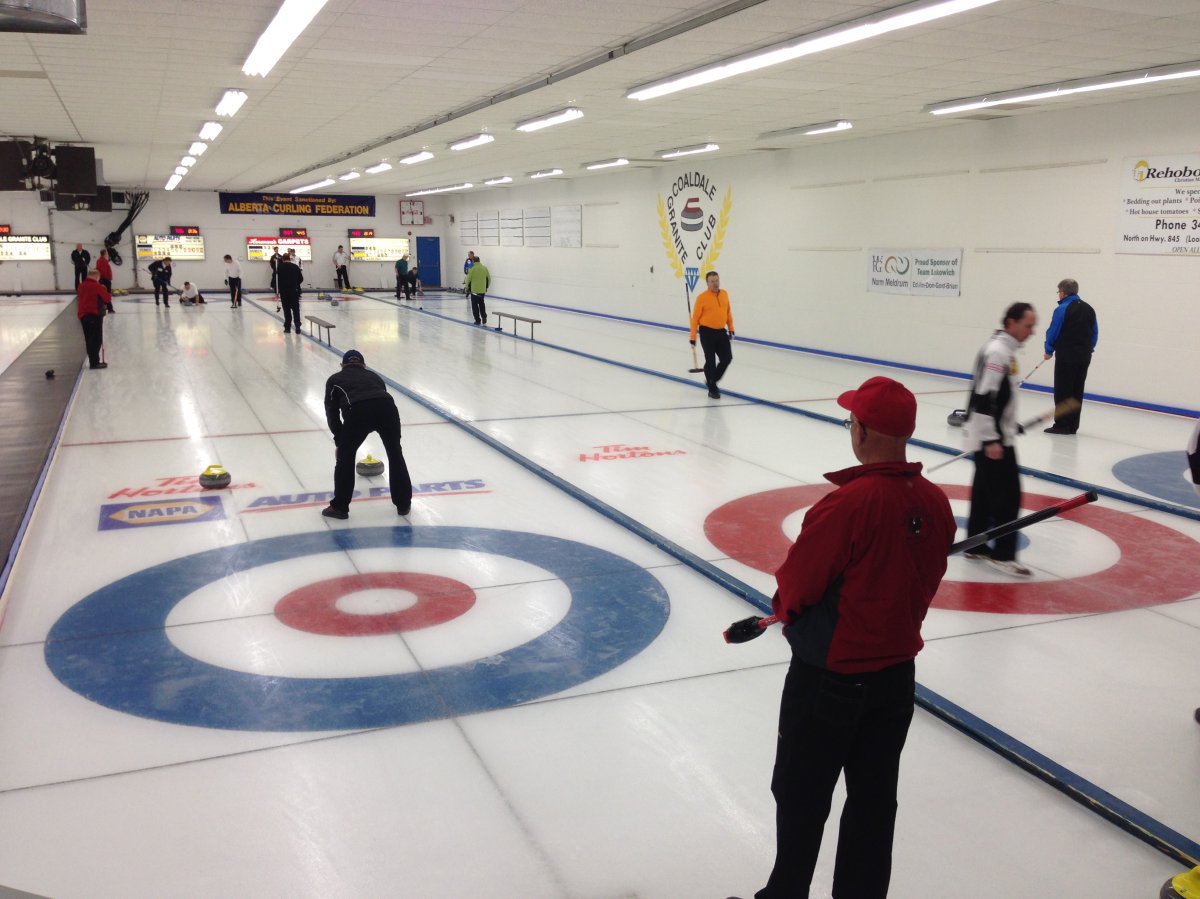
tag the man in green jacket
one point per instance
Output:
(402, 277)
(478, 279)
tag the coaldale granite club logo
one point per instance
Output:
(693, 223)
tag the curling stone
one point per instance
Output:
(957, 418)
(49, 374)
(214, 477)
(1182, 886)
(369, 466)
(333, 301)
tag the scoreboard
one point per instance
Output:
(186, 247)
(378, 249)
(24, 247)
(260, 248)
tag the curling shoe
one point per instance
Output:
(1010, 567)
(402, 512)
(331, 512)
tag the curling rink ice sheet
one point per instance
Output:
(507, 693)
(22, 320)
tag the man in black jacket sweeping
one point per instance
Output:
(357, 403)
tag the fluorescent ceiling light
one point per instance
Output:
(1066, 88)
(349, 176)
(502, 180)
(806, 130)
(416, 157)
(197, 148)
(293, 17)
(376, 169)
(317, 186)
(439, 190)
(555, 118)
(838, 36)
(231, 102)
(210, 130)
(189, 161)
(545, 173)
(687, 151)
(468, 142)
(173, 182)
(180, 171)
(606, 163)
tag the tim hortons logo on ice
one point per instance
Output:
(612, 451)
(693, 227)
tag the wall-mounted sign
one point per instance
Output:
(24, 247)
(187, 248)
(930, 273)
(296, 204)
(261, 248)
(378, 249)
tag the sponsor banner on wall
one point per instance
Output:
(1160, 205)
(178, 246)
(929, 273)
(296, 204)
(693, 219)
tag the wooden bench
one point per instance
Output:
(320, 323)
(500, 316)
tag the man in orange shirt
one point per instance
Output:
(710, 317)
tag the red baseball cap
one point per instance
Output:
(883, 405)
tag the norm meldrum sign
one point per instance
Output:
(929, 273)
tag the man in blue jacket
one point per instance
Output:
(1071, 337)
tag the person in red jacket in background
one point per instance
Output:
(852, 594)
(104, 267)
(91, 301)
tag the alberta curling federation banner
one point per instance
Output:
(930, 273)
(296, 204)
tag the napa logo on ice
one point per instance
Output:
(693, 222)
(164, 511)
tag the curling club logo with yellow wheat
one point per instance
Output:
(692, 230)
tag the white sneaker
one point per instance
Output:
(1014, 568)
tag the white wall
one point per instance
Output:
(1030, 200)
(222, 234)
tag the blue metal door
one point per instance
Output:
(429, 260)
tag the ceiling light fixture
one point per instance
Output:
(293, 17)
(231, 102)
(197, 148)
(687, 151)
(173, 182)
(416, 157)
(180, 170)
(440, 190)
(317, 186)
(468, 142)
(838, 36)
(492, 182)
(807, 130)
(606, 163)
(349, 176)
(1066, 88)
(189, 161)
(555, 118)
(376, 169)
(545, 173)
(210, 130)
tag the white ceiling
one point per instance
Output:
(368, 79)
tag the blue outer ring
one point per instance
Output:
(112, 646)
(1160, 474)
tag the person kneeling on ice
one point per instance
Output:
(356, 403)
(190, 295)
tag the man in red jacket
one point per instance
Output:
(91, 300)
(852, 595)
(105, 269)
